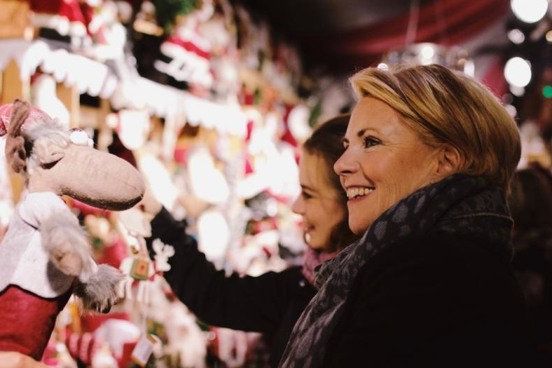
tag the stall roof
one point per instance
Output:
(348, 34)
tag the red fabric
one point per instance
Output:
(125, 359)
(27, 320)
(90, 322)
(86, 209)
(248, 167)
(47, 7)
(73, 10)
(180, 155)
(248, 164)
(113, 254)
(190, 46)
(287, 136)
(36, 115)
(446, 22)
(5, 115)
(255, 227)
(84, 345)
(494, 78)
(249, 130)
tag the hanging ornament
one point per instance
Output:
(138, 268)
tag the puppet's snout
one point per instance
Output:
(98, 178)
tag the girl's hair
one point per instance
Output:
(327, 143)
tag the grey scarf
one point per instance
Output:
(459, 204)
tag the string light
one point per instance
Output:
(430, 53)
(517, 72)
(547, 91)
(529, 11)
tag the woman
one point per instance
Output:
(272, 302)
(428, 158)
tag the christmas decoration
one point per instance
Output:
(45, 255)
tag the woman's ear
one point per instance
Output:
(449, 161)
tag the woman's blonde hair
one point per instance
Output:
(448, 107)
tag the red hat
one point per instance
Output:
(35, 115)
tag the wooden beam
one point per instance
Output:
(13, 87)
(70, 97)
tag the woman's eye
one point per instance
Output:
(371, 141)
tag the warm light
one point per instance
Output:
(517, 72)
(548, 36)
(516, 36)
(529, 11)
(427, 53)
(517, 91)
(467, 66)
(512, 111)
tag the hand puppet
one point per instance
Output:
(45, 256)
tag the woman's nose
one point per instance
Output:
(345, 165)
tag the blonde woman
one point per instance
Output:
(429, 155)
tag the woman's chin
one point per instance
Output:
(358, 229)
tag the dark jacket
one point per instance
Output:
(269, 303)
(533, 266)
(426, 302)
(430, 284)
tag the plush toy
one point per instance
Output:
(45, 255)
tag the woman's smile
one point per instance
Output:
(354, 193)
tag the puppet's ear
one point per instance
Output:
(15, 142)
(16, 154)
(46, 152)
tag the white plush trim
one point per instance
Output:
(129, 91)
(23, 259)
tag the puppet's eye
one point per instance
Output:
(49, 165)
(79, 137)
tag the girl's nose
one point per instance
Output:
(297, 206)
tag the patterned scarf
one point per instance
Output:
(459, 204)
(313, 259)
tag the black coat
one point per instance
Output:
(438, 301)
(269, 303)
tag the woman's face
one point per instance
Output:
(319, 203)
(384, 161)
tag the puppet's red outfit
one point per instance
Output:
(32, 290)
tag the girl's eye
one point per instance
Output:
(371, 141)
(306, 195)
